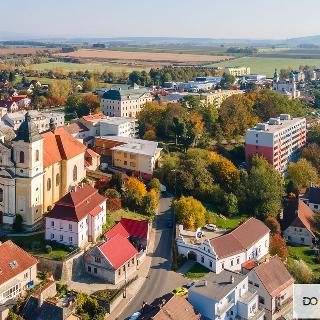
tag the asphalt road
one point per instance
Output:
(160, 279)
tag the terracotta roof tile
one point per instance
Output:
(274, 275)
(136, 228)
(10, 252)
(117, 229)
(118, 250)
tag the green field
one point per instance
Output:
(267, 65)
(99, 67)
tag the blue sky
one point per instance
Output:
(273, 19)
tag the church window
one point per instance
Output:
(1, 195)
(37, 155)
(57, 179)
(21, 157)
(75, 173)
(49, 184)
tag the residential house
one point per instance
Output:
(217, 97)
(298, 224)
(18, 271)
(237, 71)
(274, 285)
(229, 251)
(77, 218)
(10, 105)
(113, 261)
(134, 230)
(78, 130)
(92, 160)
(312, 198)
(133, 155)
(225, 296)
(169, 307)
(22, 101)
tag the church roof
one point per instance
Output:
(28, 131)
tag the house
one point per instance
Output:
(77, 130)
(91, 160)
(287, 87)
(134, 230)
(225, 296)
(125, 102)
(217, 97)
(77, 218)
(10, 105)
(133, 155)
(22, 101)
(298, 224)
(113, 261)
(229, 251)
(18, 271)
(237, 71)
(312, 198)
(274, 285)
(169, 307)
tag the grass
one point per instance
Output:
(35, 245)
(267, 65)
(94, 66)
(306, 254)
(197, 271)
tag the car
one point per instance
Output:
(135, 316)
(180, 291)
(211, 227)
(169, 223)
(190, 284)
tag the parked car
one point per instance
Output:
(190, 284)
(135, 316)
(211, 227)
(180, 291)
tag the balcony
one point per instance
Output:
(248, 297)
(225, 308)
(259, 314)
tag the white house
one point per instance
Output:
(18, 271)
(312, 198)
(77, 218)
(225, 296)
(229, 251)
(274, 285)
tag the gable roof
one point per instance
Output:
(60, 145)
(129, 228)
(314, 195)
(274, 275)
(76, 127)
(14, 261)
(298, 214)
(239, 239)
(76, 205)
(118, 250)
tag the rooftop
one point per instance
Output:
(125, 94)
(218, 285)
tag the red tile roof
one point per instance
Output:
(94, 117)
(248, 265)
(18, 98)
(239, 239)
(305, 218)
(274, 275)
(10, 252)
(129, 228)
(118, 250)
(76, 205)
(92, 153)
(60, 145)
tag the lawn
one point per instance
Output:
(35, 244)
(99, 67)
(197, 271)
(267, 65)
(306, 254)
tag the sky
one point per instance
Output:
(250, 19)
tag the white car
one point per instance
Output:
(211, 227)
(135, 316)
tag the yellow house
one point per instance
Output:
(216, 98)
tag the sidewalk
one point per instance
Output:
(134, 288)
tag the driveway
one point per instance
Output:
(160, 279)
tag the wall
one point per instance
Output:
(294, 235)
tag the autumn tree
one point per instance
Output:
(278, 247)
(113, 204)
(60, 88)
(189, 212)
(89, 85)
(312, 153)
(155, 184)
(302, 173)
(91, 102)
(264, 188)
(135, 190)
(112, 194)
(273, 224)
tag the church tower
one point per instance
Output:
(28, 159)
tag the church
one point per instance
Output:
(36, 170)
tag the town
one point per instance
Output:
(171, 183)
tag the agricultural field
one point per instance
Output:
(267, 65)
(23, 51)
(144, 56)
(94, 66)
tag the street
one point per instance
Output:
(160, 279)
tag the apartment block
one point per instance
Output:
(279, 140)
(237, 71)
(217, 97)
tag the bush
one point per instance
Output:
(17, 224)
(48, 249)
(35, 245)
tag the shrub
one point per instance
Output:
(17, 224)
(48, 249)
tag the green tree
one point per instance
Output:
(313, 134)
(18, 223)
(190, 212)
(227, 81)
(230, 204)
(302, 173)
(116, 181)
(179, 128)
(89, 85)
(155, 184)
(264, 189)
(312, 153)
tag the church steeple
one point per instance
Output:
(276, 76)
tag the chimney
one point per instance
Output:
(232, 279)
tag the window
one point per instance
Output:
(231, 263)
(37, 155)
(61, 237)
(95, 270)
(75, 173)
(21, 157)
(302, 239)
(238, 260)
(202, 259)
(57, 179)
(132, 260)
(1, 195)
(52, 236)
(70, 227)
(70, 239)
(210, 264)
(256, 285)
(261, 300)
(97, 259)
(49, 184)
(52, 223)
(119, 272)
(125, 162)
(89, 268)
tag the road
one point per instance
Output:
(160, 279)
